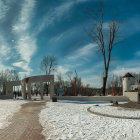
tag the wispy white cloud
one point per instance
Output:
(62, 69)
(60, 37)
(124, 70)
(65, 35)
(127, 66)
(130, 63)
(93, 80)
(130, 23)
(25, 42)
(137, 53)
(26, 46)
(5, 49)
(96, 68)
(57, 13)
(6, 53)
(2, 66)
(26, 12)
(24, 66)
(82, 52)
(4, 7)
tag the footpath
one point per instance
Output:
(24, 125)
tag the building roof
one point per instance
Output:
(128, 75)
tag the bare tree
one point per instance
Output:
(74, 84)
(14, 75)
(115, 83)
(137, 77)
(9, 75)
(60, 80)
(48, 64)
(106, 37)
(69, 75)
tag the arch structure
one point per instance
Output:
(26, 85)
(9, 88)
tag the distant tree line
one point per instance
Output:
(70, 85)
(49, 65)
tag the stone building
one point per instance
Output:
(131, 87)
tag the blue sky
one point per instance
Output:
(31, 29)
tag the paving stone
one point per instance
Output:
(24, 125)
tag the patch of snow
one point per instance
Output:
(7, 109)
(116, 111)
(68, 121)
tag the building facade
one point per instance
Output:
(131, 87)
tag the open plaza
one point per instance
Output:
(69, 69)
(69, 117)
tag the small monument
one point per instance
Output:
(131, 87)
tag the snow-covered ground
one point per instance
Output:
(69, 121)
(116, 111)
(7, 109)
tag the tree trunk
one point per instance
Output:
(104, 84)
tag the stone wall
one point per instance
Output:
(6, 96)
(134, 87)
(94, 98)
(9, 87)
(127, 82)
(133, 96)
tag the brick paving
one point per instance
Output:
(24, 124)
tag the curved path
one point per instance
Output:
(24, 124)
(111, 116)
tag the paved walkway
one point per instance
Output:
(24, 124)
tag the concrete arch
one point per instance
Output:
(26, 85)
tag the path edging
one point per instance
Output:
(111, 116)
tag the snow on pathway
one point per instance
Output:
(68, 121)
(7, 109)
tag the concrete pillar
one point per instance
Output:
(29, 90)
(23, 90)
(51, 88)
(9, 89)
(41, 90)
(125, 85)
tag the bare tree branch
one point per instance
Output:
(48, 64)
(97, 33)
